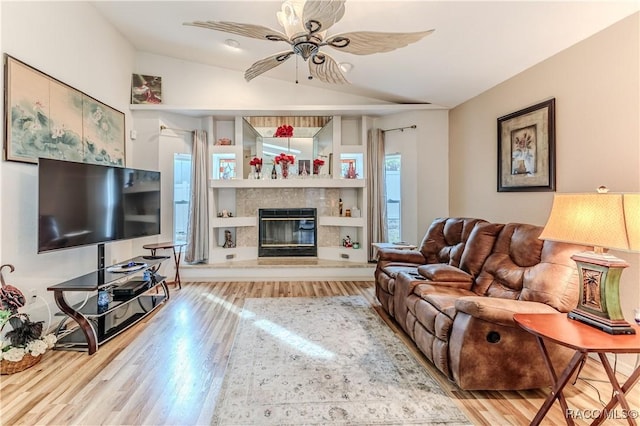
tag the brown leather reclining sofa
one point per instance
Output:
(455, 296)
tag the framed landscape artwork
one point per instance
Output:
(526, 149)
(47, 118)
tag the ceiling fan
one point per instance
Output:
(305, 24)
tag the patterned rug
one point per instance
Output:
(325, 360)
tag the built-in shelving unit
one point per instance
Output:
(354, 222)
(234, 141)
(342, 144)
(234, 222)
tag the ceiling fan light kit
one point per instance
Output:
(232, 43)
(305, 24)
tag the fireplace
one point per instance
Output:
(287, 232)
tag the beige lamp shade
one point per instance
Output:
(592, 219)
(631, 203)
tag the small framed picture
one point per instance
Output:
(348, 167)
(146, 89)
(227, 168)
(304, 166)
(526, 149)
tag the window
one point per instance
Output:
(393, 193)
(181, 192)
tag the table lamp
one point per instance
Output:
(605, 221)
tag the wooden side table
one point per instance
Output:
(584, 339)
(177, 254)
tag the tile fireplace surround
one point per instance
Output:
(325, 200)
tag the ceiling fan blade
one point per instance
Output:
(326, 69)
(264, 65)
(246, 30)
(324, 12)
(369, 42)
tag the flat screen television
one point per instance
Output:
(82, 204)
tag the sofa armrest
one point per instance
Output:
(444, 272)
(499, 311)
(397, 255)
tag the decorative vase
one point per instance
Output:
(316, 169)
(285, 169)
(258, 170)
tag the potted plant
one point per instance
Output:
(22, 346)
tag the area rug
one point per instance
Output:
(325, 360)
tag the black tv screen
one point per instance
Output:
(81, 204)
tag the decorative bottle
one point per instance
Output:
(274, 174)
(340, 206)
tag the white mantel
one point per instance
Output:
(308, 182)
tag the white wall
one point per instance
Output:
(72, 43)
(191, 84)
(425, 167)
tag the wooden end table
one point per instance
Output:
(584, 339)
(177, 253)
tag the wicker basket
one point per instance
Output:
(27, 361)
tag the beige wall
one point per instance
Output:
(423, 152)
(596, 84)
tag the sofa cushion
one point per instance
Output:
(445, 240)
(554, 280)
(442, 298)
(516, 249)
(479, 246)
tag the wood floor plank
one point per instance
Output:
(169, 368)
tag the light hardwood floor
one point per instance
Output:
(168, 369)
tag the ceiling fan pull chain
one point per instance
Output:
(296, 69)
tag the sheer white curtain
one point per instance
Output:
(198, 234)
(376, 192)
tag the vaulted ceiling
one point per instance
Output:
(476, 44)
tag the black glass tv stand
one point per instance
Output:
(121, 296)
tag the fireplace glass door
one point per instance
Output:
(287, 232)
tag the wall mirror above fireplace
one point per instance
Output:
(312, 139)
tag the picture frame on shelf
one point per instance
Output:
(227, 168)
(526, 149)
(146, 89)
(348, 167)
(47, 118)
(304, 165)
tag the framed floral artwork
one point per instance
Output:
(47, 118)
(526, 149)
